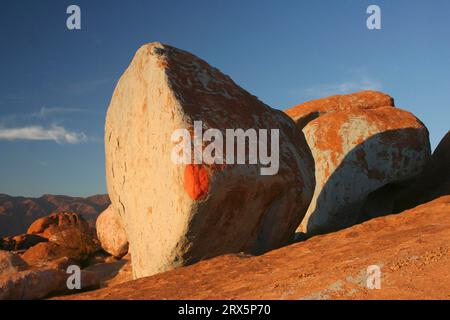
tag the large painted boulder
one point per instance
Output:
(358, 151)
(178, 213)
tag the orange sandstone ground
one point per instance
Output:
(412, 249)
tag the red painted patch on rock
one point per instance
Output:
(196, 181)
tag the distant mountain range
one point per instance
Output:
(17, 213)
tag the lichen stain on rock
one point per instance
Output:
(196, 182)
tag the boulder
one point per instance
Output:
(68, 234)
(46, 224)
(177, 214)
(41, 283)
(364, 100)
(57, 263)
(7, 244)
(111, 234)
(70, 243)
(358, 150)
(11, 263)
(20, 242)
(45, 252)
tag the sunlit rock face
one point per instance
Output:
(359, 146)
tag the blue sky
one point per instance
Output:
(55, 84)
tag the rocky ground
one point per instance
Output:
(411, 248)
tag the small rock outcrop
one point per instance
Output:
(68, 235)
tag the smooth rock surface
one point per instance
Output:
(111, 233)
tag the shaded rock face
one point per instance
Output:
(359, 149)
(20, 242)
(364, 100)
(176, 214)
(11, 263)
(432, 183)
(113, 272)
(18, 213)
(111, 234)
(411, 249)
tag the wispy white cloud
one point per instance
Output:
(54, 133)
(44, 112)
(346, 87)
(83, 87)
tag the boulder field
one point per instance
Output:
(36, 269)
(201, 229)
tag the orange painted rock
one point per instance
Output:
(179, 213)
(196, 181)
(307, 111)
(359, 149)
